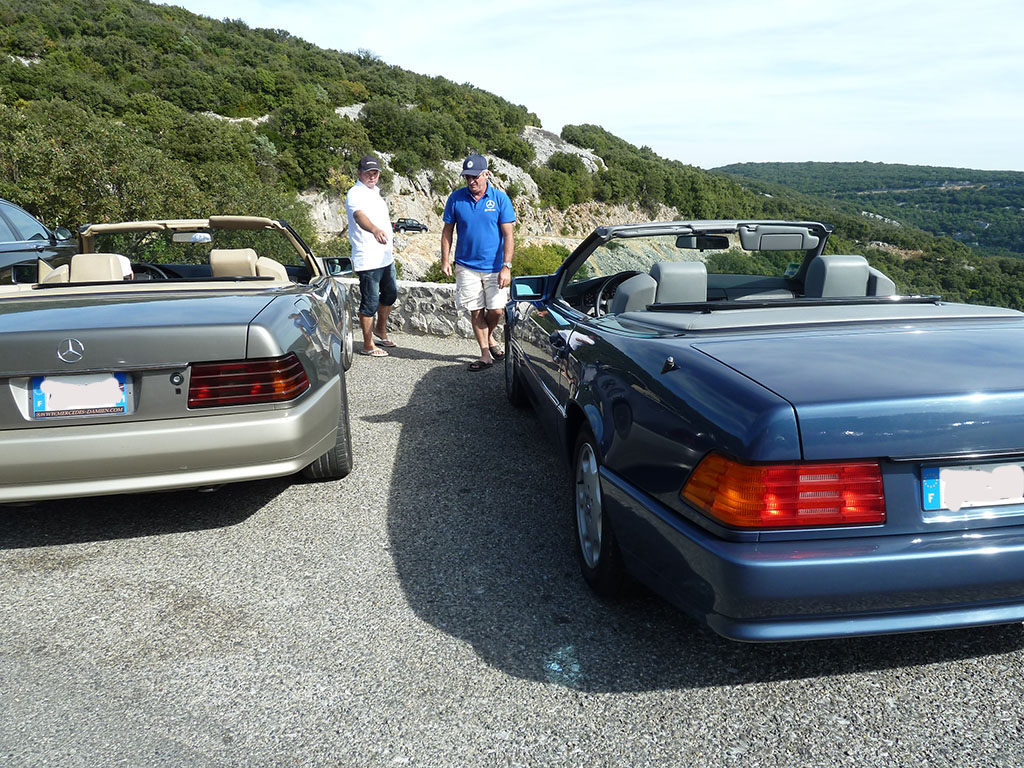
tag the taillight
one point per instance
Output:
(787, 495)
(244, 382)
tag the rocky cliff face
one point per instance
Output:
(422, 197)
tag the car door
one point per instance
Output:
(23, 238)
(544, 338)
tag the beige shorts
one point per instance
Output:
(478, 290)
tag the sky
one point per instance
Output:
(713, 82)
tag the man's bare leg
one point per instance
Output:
(482, 331)
(366, 324)
(493, 318)
(381, 329)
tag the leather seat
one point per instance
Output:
(680, 282)
(233, 262)
(266, 267)
(633, 294)
(95, 268)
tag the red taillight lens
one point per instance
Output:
(787, 495)
(243, 382)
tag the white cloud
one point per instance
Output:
(708, 83)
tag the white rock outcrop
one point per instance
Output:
(352, 111)
(250, 120)
(545, 144)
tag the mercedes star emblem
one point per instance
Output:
(70, 350)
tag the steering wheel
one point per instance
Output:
(607, 290)
(152, 270)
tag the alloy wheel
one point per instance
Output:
(589, 515)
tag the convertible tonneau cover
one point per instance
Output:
(810, 315)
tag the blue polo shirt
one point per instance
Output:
(479, 243)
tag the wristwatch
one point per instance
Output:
(507, 264)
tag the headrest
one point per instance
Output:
(680, 282)
(233, 262)
(269, 268)
(95, 268)
(836, 275)
(634, 294)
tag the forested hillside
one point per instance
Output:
(103, 102)
(120, 109)
(984, 209)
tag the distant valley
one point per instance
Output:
(982, 209)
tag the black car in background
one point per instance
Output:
(24, 238)
(408, 225)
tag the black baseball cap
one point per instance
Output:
(368, 163)
(474, 165)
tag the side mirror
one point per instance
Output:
(529, 287)
(338, 266)
(63, 233)
(26, 272)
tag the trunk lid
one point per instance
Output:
(124, 332)
(897, 392)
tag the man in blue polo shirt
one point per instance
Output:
(481, 216)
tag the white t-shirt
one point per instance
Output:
(126, 265)
(367, 253)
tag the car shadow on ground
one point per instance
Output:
(481, 535)
(103, 518)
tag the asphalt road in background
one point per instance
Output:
(427, 611)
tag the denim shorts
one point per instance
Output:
(376, 287)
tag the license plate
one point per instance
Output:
(90, 394)
(973, 485)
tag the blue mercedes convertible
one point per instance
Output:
(773, 439)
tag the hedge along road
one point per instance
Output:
(427, 611)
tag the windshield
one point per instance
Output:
(161, 247)
(642, 253)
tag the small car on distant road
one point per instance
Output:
(408, 225)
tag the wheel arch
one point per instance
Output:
(578, 417)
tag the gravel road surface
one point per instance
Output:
(427, 611)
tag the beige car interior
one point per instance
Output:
(106, 268)
(243, 262)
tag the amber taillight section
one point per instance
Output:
(244, 382)
(796, 495)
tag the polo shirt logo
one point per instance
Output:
(490, 206)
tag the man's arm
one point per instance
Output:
(508, 233)
(364, 222)
(446, 248)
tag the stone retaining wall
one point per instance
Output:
(422, 308)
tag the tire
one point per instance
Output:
(596, 547)
(513, 379)
(347, 340)
(337, 462)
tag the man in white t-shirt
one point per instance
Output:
(369, 231)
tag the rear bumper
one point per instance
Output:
(812, 589)
(131, 457)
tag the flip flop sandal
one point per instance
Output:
(497, 353)
(479, 365)
(384, 342)
(373, 352)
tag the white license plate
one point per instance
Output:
(89, 394)
(973, 485)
